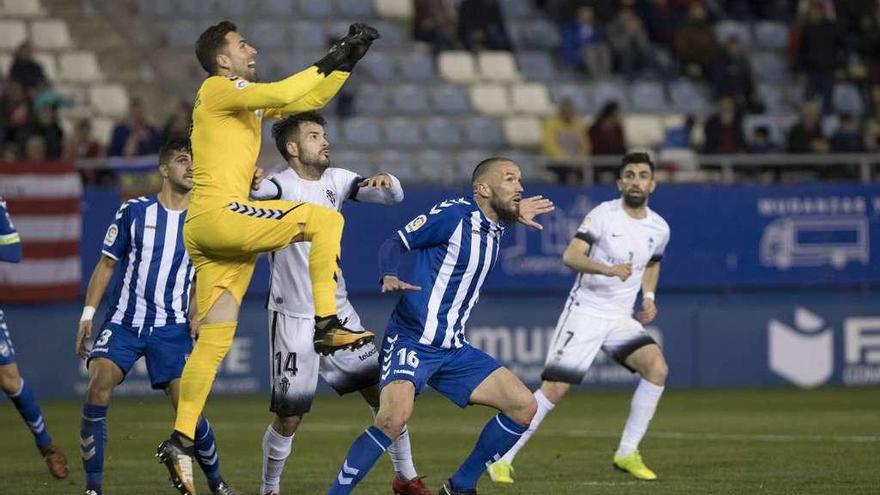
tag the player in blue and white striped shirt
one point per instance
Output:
(457, 245)
(11, 382)
(149, 312)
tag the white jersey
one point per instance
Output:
(615, 238)
(290, 290)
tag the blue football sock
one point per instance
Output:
(206, 452)
(92, 437)
(27, 406)
(498, 436)
(360, 459)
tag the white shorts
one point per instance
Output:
(578, 338)
(295, 365)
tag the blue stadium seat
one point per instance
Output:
(400, 164)
(606, 91)
(181, 32)
(687, 97)
(483, 132)
(338, 28)
(378, 66)
(228, 9)
(409, 98)
(371, 99)
(403, 131)
(769, 67)
(315, 10)
(277, 9)
(539, 34)
(305, 34)
(415, 66)
(190, 10)
(392, 34)
(516, 9)
(536, 65)
(648, 97)
(359, 9)
(847, 99)
(355, 160)
(449, 99)
(156, 8)
(435, 166)
(442, 131)
(468, 159)
(770, 35)
(724, 30)
(528, 164)
(773, 98)
(331, 129)
(362, 131)
(265, 34)
(576, 92)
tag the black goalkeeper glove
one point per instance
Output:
(345, 53)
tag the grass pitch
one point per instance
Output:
(701, 442)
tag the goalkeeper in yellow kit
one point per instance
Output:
(224, 232)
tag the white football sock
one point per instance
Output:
(401, 453)
(641, 410)
(544, 407)
(276, 449)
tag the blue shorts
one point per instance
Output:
(165, 349)
(7, 352)
(455, 373)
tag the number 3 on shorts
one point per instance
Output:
(105, 337)
(408, 358)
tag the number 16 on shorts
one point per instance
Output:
(403, 361)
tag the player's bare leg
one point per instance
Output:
(647, 361)
(16, 389)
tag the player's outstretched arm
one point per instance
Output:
(575, 257)
(382, 188)
(94, 293)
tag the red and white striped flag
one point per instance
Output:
(43, 201)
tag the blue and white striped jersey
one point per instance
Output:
(456, 248)
(147, 240)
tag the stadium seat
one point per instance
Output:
(516, 9)
(355, 160)
(79, 67)
(400, 164)
(687, 97)
(484, 132)
(276, 8)
(770, 35)
(12, 34)
(362, 131)
(643, 131)
(5, 62)
(466, 161)
(156, 8)
(449, 99)
(358, 9)
(830, 124)
(371, 99)
(22, 8)
(109, 99)
(442, 131)
(491, 99)
(399, 10)
(415, 66)
(648, 97)
(536, 66)
(50, 67)
(393, 34)
(769, 67)
(267, 34)
(409, 98)
(50, 34)
(497, 66)
(231, 9)
(309, 34)
(457, 66)
(753, 121)
(724, 30)
(772, 96)
(314, 10)
(181, 33)
(523, 131)
(402, 131)
(847, 99)
(539, 34)
(76, 94)
(528, 164)
(435, 166)
(531, 98)
(379, 66)
(188, 9)
(576, 92)
(331, 129)
(607, 91)
(102, 130)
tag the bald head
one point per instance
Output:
(487, 166)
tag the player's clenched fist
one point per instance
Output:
(390, 283)
(621, 271)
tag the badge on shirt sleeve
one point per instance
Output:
(416, 223)
(112, 232)
(241, 84)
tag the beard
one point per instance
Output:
(507, 212)
(315, 160)
(634, 201)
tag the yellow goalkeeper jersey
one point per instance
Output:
(227, 118)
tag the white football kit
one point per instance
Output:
(599, 309)
(294, 362)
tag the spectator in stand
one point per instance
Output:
(81, 144)
(481, 25)
(761, 141)
(25, 69)
(565, 141)
(606, 134)
(178, 123)
(694, 42)
(15, 114)
(661, 20)
(629, 44)
(819, 52)
(723, 129)
(35, 148)
(731, 75)
(134, 136)
(584, 46)
(435, 22)
(872, 120)
(806, 136)
(848, 138)
(46, 125)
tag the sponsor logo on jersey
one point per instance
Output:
(416, 223)
(331, 196)
(110, 237)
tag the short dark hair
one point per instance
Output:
(285, 129)
(484, 166)
(635, 157)
(210, 42)
(174, 144)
